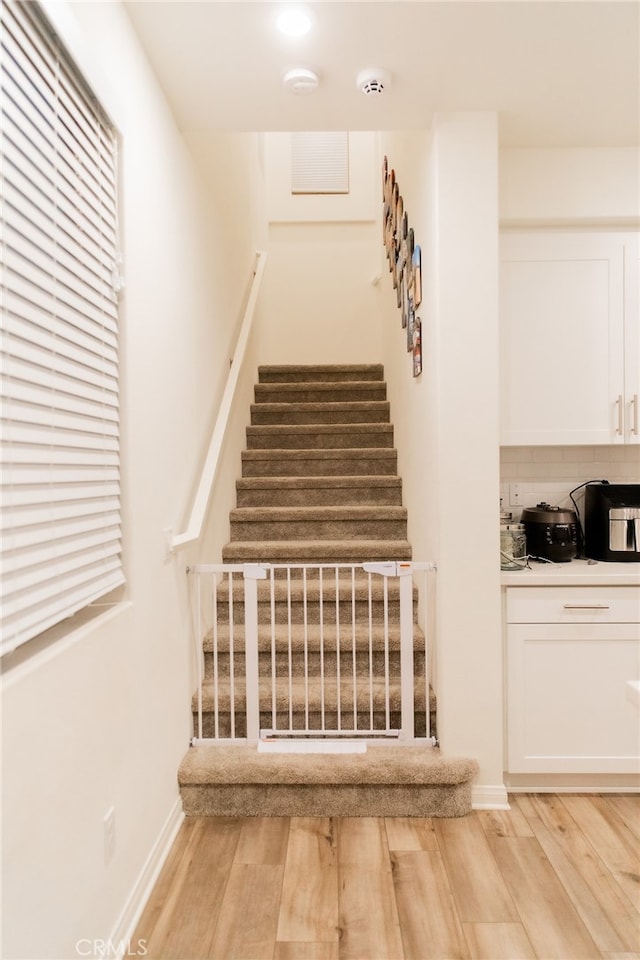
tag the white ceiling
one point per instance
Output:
(562, 73)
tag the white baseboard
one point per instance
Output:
(572, 783)
(489, 797)
(132, 911)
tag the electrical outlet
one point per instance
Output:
(515, 494)
(109, 823)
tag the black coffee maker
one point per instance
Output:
(612, 521)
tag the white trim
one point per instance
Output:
(58, 641)
(126, 923)
(587, 788)
(489, 797)
(572, 783)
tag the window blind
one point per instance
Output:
(61, 542)
(319, 162)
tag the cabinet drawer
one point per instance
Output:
(573, 605)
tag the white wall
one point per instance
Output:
(319, 304)
(356, 205)
(101, 718)
(588, 186)
(414, 401)
(447, 420)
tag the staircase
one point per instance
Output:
(319, 486)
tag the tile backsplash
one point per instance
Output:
(550, 473)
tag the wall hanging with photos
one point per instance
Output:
(405, 263)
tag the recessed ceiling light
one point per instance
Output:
(294, 22)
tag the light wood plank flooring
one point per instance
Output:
(556, 877)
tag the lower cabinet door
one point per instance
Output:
(568, 710)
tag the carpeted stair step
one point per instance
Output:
(298, 639)
(313, 721)
(346, 391)
(296, 661)
(323, 436)
(319, 523)
(290, 712)
(373, 411)
(298, 600)
(361, 461)
(299, 646)
(298, 650)
(289, 373)
(318, 491)
(386, 781)
(307, 724)
(315, 551)
(292, 690)
(344, 610)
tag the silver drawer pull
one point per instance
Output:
(586, 606)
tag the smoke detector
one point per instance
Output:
(373, 81)
(301, 80)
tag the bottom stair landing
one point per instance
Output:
(386, 780)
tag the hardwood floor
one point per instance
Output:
(557, 877)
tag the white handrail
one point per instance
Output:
(210, 468)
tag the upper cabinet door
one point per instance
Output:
(562, 321)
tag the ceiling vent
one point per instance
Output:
(301, 80)
(372, 82)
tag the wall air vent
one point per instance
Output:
(320, 162)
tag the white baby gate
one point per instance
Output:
(312, 650)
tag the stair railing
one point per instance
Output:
(247, 687)
(197, 516)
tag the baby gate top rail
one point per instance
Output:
(293, 645)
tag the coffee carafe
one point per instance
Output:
(612, 521)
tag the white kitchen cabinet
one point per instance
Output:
(570, 653)
(569, 341)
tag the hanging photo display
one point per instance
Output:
(417, 347)
(405, 262)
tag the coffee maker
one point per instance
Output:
(612, 521)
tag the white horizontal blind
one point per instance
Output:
(59, 353)
(320, 162)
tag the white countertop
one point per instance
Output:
(571, 574)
